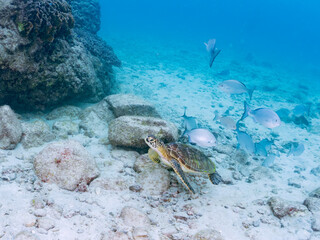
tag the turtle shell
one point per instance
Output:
(191, 158)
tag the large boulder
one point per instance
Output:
(66, 112)
(67, 164)
(130, 131)
(44, 62)
(36, 133)
(10, 128)
(128, 104)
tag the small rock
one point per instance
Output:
(45, 223)
(316, 222)
(10, 128)
(295, 182)
(36, 134)
(93, 125)
(64, 128)
(24, 235)
(313, 204)
(260, 172)
(68, 112)
(315, 171)
(127, 104)
(111, 183)
(134, 218)
(130, 131)
(281, 207)
(67, 164)
(102, 110)
(29, 220)
(135, 188)
(140, 234)
(154, 178)
(315, 193)
(315, 236)
(40, 212)
(115, 236)
(208, 234)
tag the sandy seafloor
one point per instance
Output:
(172, 76)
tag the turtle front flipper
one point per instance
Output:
(215, 178)
(177, 168)
(153, 155)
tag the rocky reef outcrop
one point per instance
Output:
(50, 53)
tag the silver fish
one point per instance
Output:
(269, 160)
(296, 151)
(211, 48)
(189, 122)
(225, 121)
(263, 147)
(264, 116)
(235, 87)
(201, 137)
(245, 141)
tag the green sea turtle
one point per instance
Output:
(182, 158)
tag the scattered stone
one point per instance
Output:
(29, 220)
(131, 105)
(130, 131)
(315, 236)
(135, 188)
(313, 204)
(115, 236)
(315, 193)
(45, 223)
(24, 235)
(93, 125)
(40, 212)
(127, 157)
(67, 164)
(64, 128)
(110, 183)
(101, 109)
(154, 178)
(315, 171)
(140, 234)
(208, 234)
(281, 207)
(295, 182)
(68, 112)
(10, 128)
(134, 218)
(36, 134)
(260, 172)
(316, 222)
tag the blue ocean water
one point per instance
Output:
(278, 32)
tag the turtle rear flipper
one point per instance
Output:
(178, 170)
(215, 178)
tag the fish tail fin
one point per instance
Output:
(246, 111)
(216, 115)
(185, 111)
(214, 55)
(250, 92)
(237, 125)
(290, 151)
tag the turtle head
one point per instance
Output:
(153, 142)
(157, 145)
